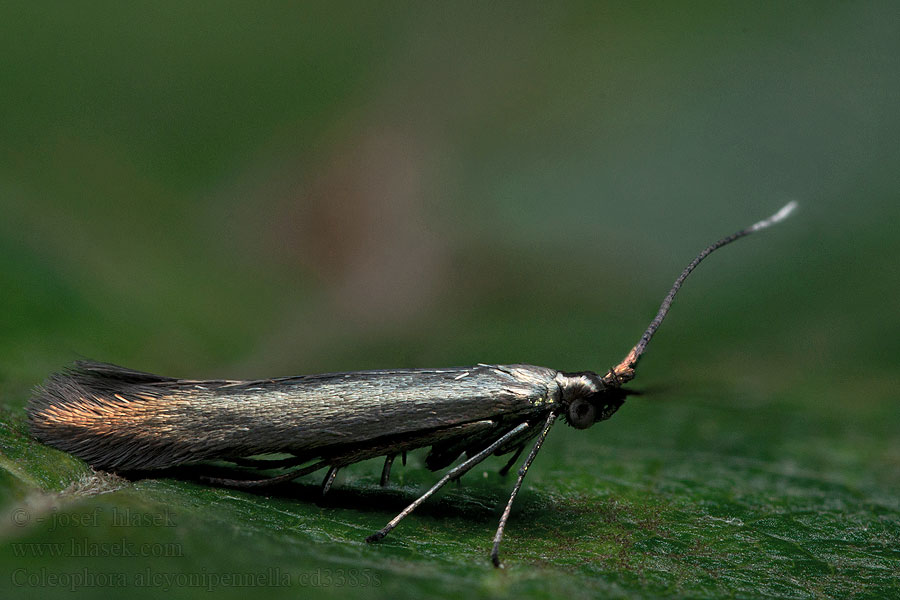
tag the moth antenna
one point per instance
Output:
(624, 371)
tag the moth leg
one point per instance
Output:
(454, 473)
(403, 458)
(386, 470)
(495, 551)
(268, 480)
(329, 479)
(502, 472)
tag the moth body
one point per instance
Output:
(119, 419)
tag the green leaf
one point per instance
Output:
(618, 511)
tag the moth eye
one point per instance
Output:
(580, 414)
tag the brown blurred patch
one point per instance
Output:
(360, 225)
(353, 215)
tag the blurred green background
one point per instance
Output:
(227, 189)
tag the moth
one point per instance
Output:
(122, 420)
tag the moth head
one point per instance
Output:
(584, 411)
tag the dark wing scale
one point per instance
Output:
(98, 372)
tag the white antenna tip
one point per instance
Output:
(781, 215)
